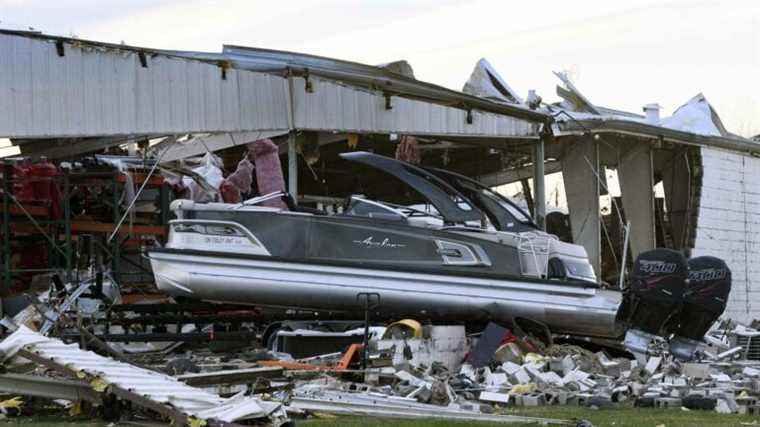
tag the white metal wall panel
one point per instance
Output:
(728, 225)
(333, 106)
(102, 91)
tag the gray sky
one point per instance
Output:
(620, 54)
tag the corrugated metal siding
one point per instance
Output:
(155, 386)
(332, 106)
(101, 91)
(728, 224)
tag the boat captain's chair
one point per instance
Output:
(290, 202)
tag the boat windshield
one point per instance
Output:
(452, 206)
(501, 211)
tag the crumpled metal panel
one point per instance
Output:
(149, 384)
(331, 105)
(380, 405)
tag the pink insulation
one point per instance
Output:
(268, 170)
(408, 150)
(237, 182)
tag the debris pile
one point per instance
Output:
(501, 371)
(405, 369)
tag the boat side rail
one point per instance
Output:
(536, 246)
(260, 199)
(214, 228)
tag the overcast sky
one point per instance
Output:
(620, 54)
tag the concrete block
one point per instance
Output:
(636, 388)
(674, 381)
(533, 399)
(550, 397)
(521, 377)
(496, 380)
(517, 399)
(510, 367)
(620, 393)
(489, 396)
(726, 406)
(600, 401)
(746, 401)
(667, 403)
(563, 397)
(578, 375)
(696, 392)
(602, 380)
(533, 371)
(653, 364)
(696, 370)
(583, 398)
(568, 364)
(555, 365)
(572, 400)
(721, 378)
(551, 377)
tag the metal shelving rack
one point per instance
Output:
(17, 218)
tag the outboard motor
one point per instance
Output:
(651, 303)
(704, 301)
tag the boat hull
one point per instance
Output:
(566, 308)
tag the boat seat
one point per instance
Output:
(290, 201)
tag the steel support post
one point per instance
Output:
(7, 176)
(292, 166)
(115, 243)
(539, 186)
(67, 220)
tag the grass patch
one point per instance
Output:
(620, 417)
(617, 417)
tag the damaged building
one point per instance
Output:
(168, 198)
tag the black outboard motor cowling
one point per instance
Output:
(655, 294)
(705, 297)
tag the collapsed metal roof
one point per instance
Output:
(696, 122)
(378, 78)
(69, 91)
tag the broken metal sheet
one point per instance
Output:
(202, 144)
(52, 315)
(33, 385)
(233, 376)
(486, 82)
(574, 96)
(144, 387)
(374, 404)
